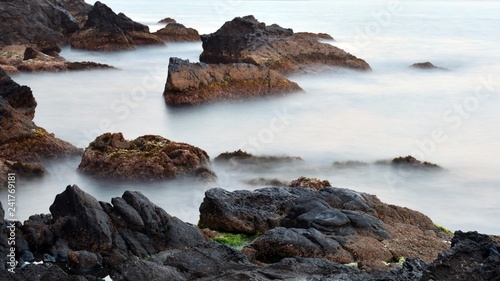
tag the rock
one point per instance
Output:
(79, 9)
(240, 157)
(246, 40)
(20, 139)
(412, 162)
(266, 182)
(350, 164)
(88, 234)
(177, 32)
(22, 169)
(426, 66)
(27, 59)
(84, 261)
(312, 183)
(45, 24)
(315, 36)
(146, 158)
(44, 272)
(291, 218)
(19, 97)
(195, 83)
(105, 30)
(167, 20)
(472, 256)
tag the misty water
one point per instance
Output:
(450, 118)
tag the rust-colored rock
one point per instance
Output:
(312, 183)
(246, 40)
(195, 83)
(146, 158)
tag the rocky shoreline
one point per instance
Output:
(302, 233)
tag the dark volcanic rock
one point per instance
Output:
(19, 97)
(244, 158)
(246, 40)
(148, 158)
(472, 256)
(89, 234)
(177, 32)
(44, 272)
(41, 23)
(105, 30)
(365, 228)
(195, 83)
(79, 9)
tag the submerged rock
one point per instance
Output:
(195, 83)
(104, 30)
(244, 158)
(146, 158)
(246, 40)
(312, 183)
(167, 20)
(177, 32)
(411, 162)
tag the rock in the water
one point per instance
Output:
(177, 32)
(146, 158)
(246, 40)
(354, 226)
(105, 30)
(411, 162)
(20, 139)
(167, 20)
(426, 66)
(312, 183)
(195, 83)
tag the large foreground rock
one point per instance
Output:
(146, 158)
(246, 40)
(105, 30)
(133, 239)
(195, 83)
(337, 224)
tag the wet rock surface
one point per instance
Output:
(196, 83)
(177, 32)
(246, 40)
(146, 158)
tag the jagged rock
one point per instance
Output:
(89, 234)
(105, 30)
(177, 32)
(25, 170)
(40, 23)
(240, 157)
(19, 97)
(44, 272)
(246, 40)
(195, 83)
(78, 9)
(365, 228)
(472, 256)
(148, 158)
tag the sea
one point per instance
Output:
(450, 116)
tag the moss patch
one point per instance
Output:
(444, 229)
(235, 240)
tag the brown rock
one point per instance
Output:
(312, 183)
(246, 40)
(177, 32)
(167, 20)
(195, 83)
(426, 66)
(147, 158)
